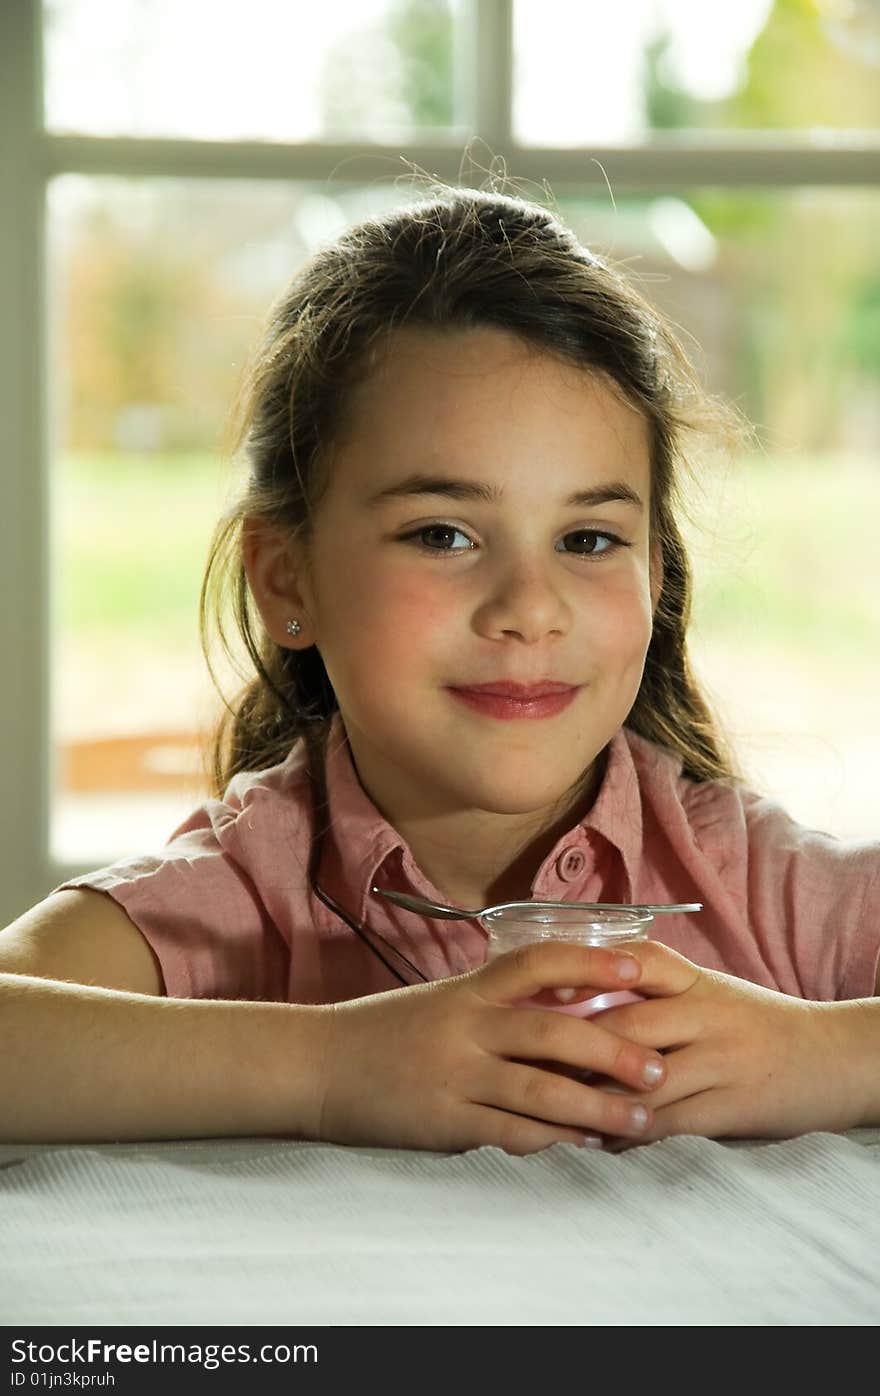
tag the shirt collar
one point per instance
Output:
(362, 838)
(360, 834)
(616, 812)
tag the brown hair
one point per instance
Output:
(459, 259)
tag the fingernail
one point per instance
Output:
(566, 994)
(638, 1117)
(652, 1073)
(591, 1141)
(627, 967)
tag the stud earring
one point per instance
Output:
(293, 627)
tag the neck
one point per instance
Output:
(475, 858)
(503, 869)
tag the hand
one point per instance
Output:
(453, 1065)
(741, 1060)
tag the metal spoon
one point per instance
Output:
(457, 913)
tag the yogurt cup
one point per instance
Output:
(522, 923)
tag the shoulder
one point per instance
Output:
(810, 901)
(262, 821)
(709, 813)
(218, 903)
(729, 819)
(822, 862)
(271, 805)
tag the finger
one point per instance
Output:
(664, 971)
(661, 1023)
(695, 1098)
(517, 1134)
(540, 1034)
(689, 1071)
(708, 1113)
(544, 1094)
(549, 964)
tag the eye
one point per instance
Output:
(591, 538)
(434, 532)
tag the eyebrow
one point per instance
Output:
(491, 494)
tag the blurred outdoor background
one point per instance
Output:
(159, 285)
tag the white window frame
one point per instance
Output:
(31, 157)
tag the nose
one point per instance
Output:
(522, 601)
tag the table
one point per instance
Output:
(685, 1231)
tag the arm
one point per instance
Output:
(448, 1065)
(92, 1049)
(857, 1025)
(85, 1063)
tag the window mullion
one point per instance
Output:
(491, 72)
(24, 614)
(678, 163)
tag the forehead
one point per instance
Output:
(485, 400)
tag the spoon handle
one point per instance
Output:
(443, 913)
(457, 913)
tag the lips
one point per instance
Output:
(515, 701)
(523, 692)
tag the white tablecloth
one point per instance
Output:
(683, 1232)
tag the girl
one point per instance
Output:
(458, 573)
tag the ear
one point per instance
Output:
(277, 574)
(656, 574)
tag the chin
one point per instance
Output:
(520, 797)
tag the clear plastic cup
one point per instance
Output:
(524, 922)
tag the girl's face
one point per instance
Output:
(418, 587)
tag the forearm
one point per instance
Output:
(856, 1051)
(80, 1063)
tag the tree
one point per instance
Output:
(396, 75)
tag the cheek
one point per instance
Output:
(621, 625)
(381, 609)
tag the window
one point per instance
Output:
(594, 73)
(215, 70)
(179, 171)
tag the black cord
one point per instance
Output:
(343, 915)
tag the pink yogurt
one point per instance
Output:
(587, 1008)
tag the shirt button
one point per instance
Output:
(570, 864)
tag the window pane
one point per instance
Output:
(223, 70)
(626, 72)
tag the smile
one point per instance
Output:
(507, 707)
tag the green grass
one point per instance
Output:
(131, 542)
(796, 558)
(791, 559)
